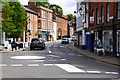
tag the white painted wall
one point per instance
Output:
(54, 31)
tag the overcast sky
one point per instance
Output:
(69, 6)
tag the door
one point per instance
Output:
(88, 40)
(118, 42)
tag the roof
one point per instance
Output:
(44, 8)
(29, 10)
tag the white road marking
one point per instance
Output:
(17, 65)
(111, 72)
(94, 72)
(27, 57)
(3, 65)
(39, 60)
(71, 54)
(48, 65)
(70, 68)
(63, 59)
(33, 65)
(52, 56)
(50, 51)
(62, 46)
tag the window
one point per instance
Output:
(107, 12)
(42, 14)
(42, 24)
(102, 17)
(38, 25)
(97, 16)
(119, 10)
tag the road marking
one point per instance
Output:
(63, 59)
(27, 57)
(3, 65)
(70, 68)
(48, 65)
(62, 46)
(50, 51)
(111, 72)
(17, 65)
(71, 54)
(52, 56)
(33, 65)
(94, 72)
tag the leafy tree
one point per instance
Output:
(14, 19)
(42, 3)
(57, 8)
(72, 19)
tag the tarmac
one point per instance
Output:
(104, 59)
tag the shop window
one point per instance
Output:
(108, 41)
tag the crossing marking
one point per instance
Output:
(33, 65)
(71, 54)
(70, 68)
(94, 72)
(17, 65)
(50, 51)
(3, 65)
(48, 65)
(111, 72)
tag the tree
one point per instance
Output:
(72, 19)
(42, 3)
(14, 19)
(57, 8)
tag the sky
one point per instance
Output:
(69, 6)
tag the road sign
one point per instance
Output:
(91, 19)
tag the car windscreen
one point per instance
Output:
(35, 40)
(64, 39)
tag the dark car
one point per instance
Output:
(65, 40)
(37, 43)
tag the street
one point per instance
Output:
(56, 61)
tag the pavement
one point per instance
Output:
(105, 59)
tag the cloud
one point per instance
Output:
(68, 6)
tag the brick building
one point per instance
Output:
(62, 24)
(106, 25)
(44, 21)
(31, 29)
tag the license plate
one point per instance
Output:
(35, 42)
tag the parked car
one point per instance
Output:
(73, 39)
(65, 40)
(37, 43)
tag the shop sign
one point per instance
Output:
(91, 19)
(111, 17)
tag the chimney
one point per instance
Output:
(32, 5)
(54, 10)
(59, 12)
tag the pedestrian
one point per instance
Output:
(95, 46)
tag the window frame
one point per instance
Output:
(118, 10)
(102, 14)
(97, 15)
(107, 13)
